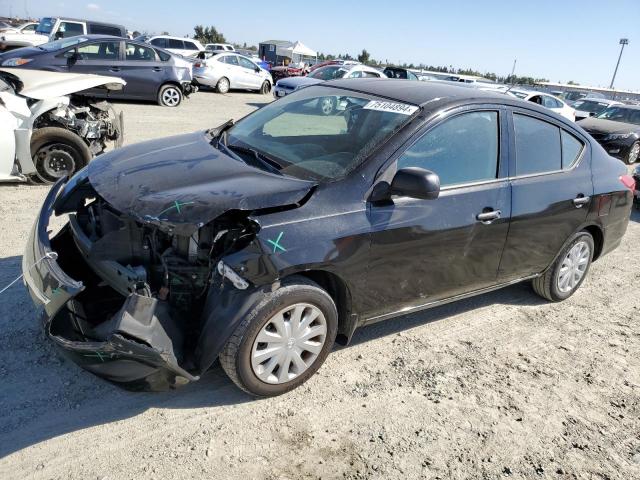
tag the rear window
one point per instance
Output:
(104, 30)
(537, 145)
(542, 147)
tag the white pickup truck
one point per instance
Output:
(53, 28)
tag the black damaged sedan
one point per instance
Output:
(262, 243)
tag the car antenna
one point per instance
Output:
(513, 79)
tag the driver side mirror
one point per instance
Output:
(410, 182)
(257, 69)
(71, 56)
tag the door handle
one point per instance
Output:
(114, 69)
(157, 69)
(488, 217)
(580, 200)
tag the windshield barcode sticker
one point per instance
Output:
(393, 107)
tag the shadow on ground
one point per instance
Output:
(48, 396)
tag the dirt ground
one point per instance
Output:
(503, 385)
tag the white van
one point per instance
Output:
(187, 47)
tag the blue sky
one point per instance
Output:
(561, 40)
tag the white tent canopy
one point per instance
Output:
(296, 49)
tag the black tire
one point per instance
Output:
(235, 357)
(223, 86)
(266, 88)
(634, 152)
(170, 95)
(327, 105)
(57, 152)
(546, 285)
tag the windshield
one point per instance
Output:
(621, 114)
(590, 106)
(45, 26)
(318, 133)
(62, 43)
(329, 72)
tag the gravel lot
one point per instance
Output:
(500, 386)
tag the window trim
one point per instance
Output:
(502, 173)
(538, 116)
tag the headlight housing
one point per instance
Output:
(618, 136)
(16, 62)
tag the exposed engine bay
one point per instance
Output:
(143, 284)
(96, 122)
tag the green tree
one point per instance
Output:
(364, 57)
(208, 35)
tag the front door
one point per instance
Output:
(250, 78)
(99, 58)
(426, 250)
(551, 192)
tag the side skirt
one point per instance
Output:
(437, 303)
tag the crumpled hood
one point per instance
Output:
(599, 125)
(40, 85)
(181, 183)
(297, 82)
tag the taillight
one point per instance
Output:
(197, 65)
(628, 181)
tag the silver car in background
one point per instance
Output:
(224, 70)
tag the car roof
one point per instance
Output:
(416, 93)
(84, 20)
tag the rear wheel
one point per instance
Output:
(169, 96)
(569, 270)
(266, 88)
(634, 152)
(283, 340)
(223, 85)
(57, 152)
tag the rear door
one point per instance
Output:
(551, 191)
(143, 71)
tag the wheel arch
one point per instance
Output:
(170, 82)
(339, 292)
(598, 238)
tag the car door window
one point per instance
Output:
(175, 44)
(70, 29)
(537, 145)
(462, 149)
(571, 149)
(231, 60)
(29, 28)
(536, 99)
(159, 42)
(550, 102)
(99, 51)
(357, 74)
(139, 53)
(370, 75)
(246, 63)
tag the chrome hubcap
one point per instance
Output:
(289, 343)
(573, 267)
(171, 97)
(223, 85)
(327, 106)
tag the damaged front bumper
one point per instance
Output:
(137, 346)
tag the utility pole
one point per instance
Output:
(623, 42)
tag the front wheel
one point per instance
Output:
(57, 152)
(169, 96)
(266, 88)
(633, 154)
(223, 85)
(569, 270)
(283, 340)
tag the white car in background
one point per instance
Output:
(219, 46)
(44, 134)
(228, 70)
(546, 100)
(186, 47)
(288, 85)
(28, 27)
